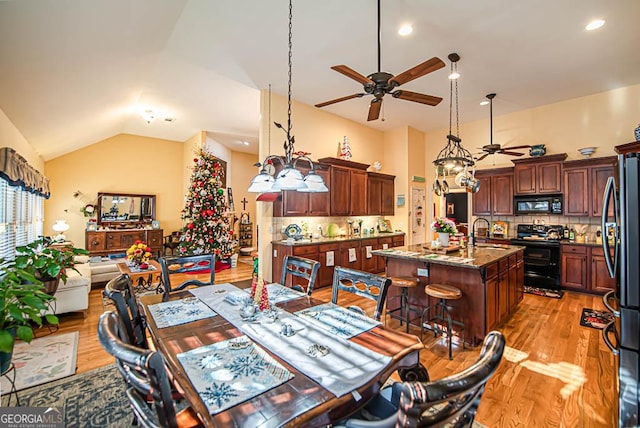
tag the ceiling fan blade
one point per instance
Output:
(374, 109)
(337, 100)
(352, 74)
(416, 97)
(507, 152)
(419, 70)
(483, 156)
(518, 147)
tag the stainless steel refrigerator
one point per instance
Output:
(623, 334)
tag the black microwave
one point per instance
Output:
(548, 204)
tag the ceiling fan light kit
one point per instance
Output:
(289, 178)
(381, 83)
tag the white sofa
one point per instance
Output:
(73, 296)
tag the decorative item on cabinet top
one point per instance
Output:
(637, 133)
(538, 150)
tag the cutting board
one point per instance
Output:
(442, 250)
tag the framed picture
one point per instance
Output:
(92, 226)
(223, 179)
(155, 224)
(450, 208)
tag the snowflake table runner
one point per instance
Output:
(230, 372)
(176, 312)
(279, 293)
(339, 365)
(338, 320)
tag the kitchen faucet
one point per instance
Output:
(473, 229)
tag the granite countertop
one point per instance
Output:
(471, 257)
(329, 239)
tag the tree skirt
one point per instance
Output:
(219, 266)
(594, 318)
(43, 360)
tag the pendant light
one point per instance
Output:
(289, 178)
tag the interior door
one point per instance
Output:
(418, 215)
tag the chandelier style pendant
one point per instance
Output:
(454, 157)
(289, 177)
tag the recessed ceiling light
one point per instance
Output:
(246, 143)
(484, 103)
(594, 25)
(405, 30)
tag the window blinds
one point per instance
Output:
(21, 218)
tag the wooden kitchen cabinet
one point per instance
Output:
(495, 196)
(103, 242)
(573, 267)
(538, 175)
(482, 199)
(319, 203)
(369, 264)
(383, 243)
(348, 187)
(587, 179)
(600, 280)
(380, 194)
(345, 249)
(300, 204)
(325, 274)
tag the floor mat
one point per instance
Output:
(544, 292)
(43, 360)
(594, 318)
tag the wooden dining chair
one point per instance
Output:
(120, 291)
(362, 284)
(186, 265)
(299, 267)
(149, 389)
(452, 400)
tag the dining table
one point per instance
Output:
(313, 374)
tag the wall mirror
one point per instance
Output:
(126, 209)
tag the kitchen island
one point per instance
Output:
(491, 278)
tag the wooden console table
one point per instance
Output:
(103, 242)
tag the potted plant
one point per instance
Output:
(22, 304)
(47, 263)
(444, 227)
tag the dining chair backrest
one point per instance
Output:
(363, 284)
(186, 265)
(300, 267)
(121, 292)
(453, 399)
(144, 372)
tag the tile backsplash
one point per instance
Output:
(592, 222)
(312, 225)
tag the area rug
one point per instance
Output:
(594, 318)
(218, 267)
(544, 292)
(93, 399)
(44, 360)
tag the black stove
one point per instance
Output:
(541, 254)
(539, 232)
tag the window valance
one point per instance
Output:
(17, 171)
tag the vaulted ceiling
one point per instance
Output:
(73, 72)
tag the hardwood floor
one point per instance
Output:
(555, 373)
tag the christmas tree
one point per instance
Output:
(206, 229)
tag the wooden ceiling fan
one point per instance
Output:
(380, 83)
(491, 148)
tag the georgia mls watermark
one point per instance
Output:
(31, 417)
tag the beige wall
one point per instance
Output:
(123, 163)
(318, 132)
(11, 137)
(396, 159)
(240, 175)
(601, 120)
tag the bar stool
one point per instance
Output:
(404, 283)
(443, 293)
